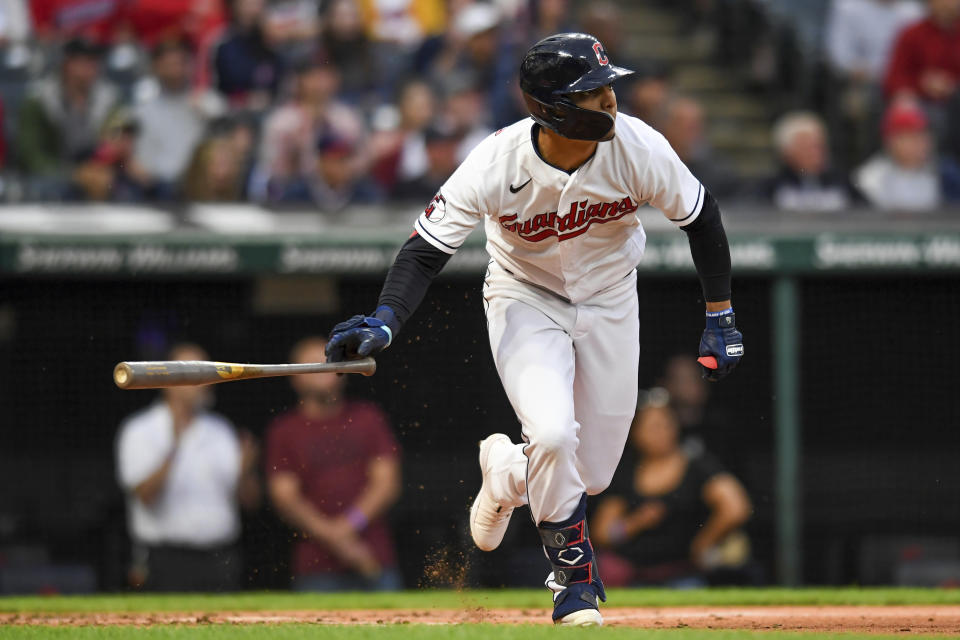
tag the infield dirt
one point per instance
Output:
(870, 619)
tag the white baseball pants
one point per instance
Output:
(570, 372)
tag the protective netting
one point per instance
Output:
(879, 413)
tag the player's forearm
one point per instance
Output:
(415, 267)
(719, 306)
(711, 254)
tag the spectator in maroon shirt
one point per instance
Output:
(333, 470)
(926, 58)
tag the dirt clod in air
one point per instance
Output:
(447, 567)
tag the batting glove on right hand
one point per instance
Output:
(722, 341)
(358, 337)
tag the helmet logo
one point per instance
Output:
(601, 55)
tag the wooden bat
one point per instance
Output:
(179, 373)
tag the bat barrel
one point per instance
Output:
(174, 373)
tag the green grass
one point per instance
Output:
(407, 632)
(438, 599)
(207, 603)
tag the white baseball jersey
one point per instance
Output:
(572, 233)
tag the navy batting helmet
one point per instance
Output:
(562, 64)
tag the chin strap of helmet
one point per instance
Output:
(569, 120)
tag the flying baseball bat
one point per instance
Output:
(179, 373)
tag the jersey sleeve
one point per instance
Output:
(669, 185)
(455, 210)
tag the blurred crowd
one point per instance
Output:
(331, 469)
(327, 103)
(322, 102)
(892, 74)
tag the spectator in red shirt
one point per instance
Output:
(61, 19)
(153, 21)
(926, 58)
(333, 470)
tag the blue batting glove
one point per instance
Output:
(722, 341)
(359, 337)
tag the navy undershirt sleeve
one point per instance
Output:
(710, 251)
(415, 267)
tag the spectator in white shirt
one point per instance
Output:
(186, 472)
(173, 116)
(860, 37)
(860, 34)
(907, 175)
(14, 24)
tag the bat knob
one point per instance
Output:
(121, 375)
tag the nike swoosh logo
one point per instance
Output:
(516, 189)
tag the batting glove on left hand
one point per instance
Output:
(722, 341)
(358, 337)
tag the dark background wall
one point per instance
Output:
(879, 399)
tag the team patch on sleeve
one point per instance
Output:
(436, 209)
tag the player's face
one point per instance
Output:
(600, 99)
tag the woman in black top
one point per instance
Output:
(670, 517)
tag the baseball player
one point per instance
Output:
(558, 195)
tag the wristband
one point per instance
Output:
(389, 319)
(357, 519)
(725, 321)
(724, 312)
